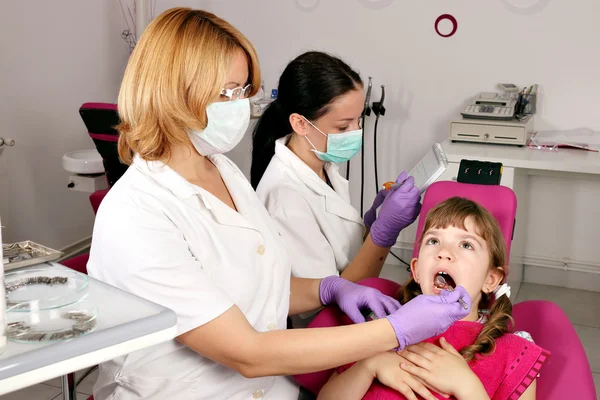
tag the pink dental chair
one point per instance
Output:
(566, 374)
(100, 120)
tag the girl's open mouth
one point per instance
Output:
(442, 280)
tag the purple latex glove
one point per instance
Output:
(426, 316)
(399, 209)
(351, 298)
(371, 214)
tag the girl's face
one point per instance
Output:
(462, 257)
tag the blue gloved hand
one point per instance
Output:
(399, 209)
(426, 316)
(371, 214)
(351, 298)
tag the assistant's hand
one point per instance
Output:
(351, 298)
(426, 316)
(399, 209)
(371, 214)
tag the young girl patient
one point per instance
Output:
(477, 357)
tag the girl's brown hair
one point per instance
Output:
(454, 212)
(175, 71)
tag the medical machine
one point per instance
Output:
(428, 170)
(492, 106)
(515, 132)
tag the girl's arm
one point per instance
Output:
(351, 385)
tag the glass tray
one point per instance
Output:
(43, 288)
(54, 324)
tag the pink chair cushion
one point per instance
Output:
(102, 106)
(567, 373)
(333, 316)
(77, 263)
(501, 201)
(96, 199)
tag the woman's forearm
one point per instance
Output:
(351, 385)
(367, 263)
(298, 351)
(304, 295)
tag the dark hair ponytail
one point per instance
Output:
(307, 86)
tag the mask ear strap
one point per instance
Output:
(313, 125)
(313, 146)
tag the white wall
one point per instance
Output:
(55, 55)
(429, 79)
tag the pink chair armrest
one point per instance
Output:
(567, 373)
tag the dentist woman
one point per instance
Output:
(183, 228)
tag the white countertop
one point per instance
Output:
(564, 160)
(125, 323)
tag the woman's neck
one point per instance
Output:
(188, 163)
(301, 148)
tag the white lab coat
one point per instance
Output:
(321, 228)
(164, 239)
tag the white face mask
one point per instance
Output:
(227, 124)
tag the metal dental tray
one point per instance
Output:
(22, 254)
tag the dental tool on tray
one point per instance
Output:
(441, 283)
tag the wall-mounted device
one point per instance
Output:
(491, 105)
(492, 131)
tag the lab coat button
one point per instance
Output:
(258, 394)
(272, 326)
(261, 250)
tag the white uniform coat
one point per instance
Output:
(164, 239)
(321, 228)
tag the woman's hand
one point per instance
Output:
(399, 209)
(443, 368)
(352, 298)
(426, 316)
(385, 367)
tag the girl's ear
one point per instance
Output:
(494, 278)
(413, 269)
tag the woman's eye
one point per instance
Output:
(343, 129)
(432, 241)
(467, 245)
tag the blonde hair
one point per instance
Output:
(454, 212)
(175, 71)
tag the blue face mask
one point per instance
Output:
(341, 147)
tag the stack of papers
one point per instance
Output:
(583, 138)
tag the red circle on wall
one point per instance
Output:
(449, 18)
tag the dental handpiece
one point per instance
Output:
(441, 283)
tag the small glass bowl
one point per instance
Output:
(42, 296)
(50, 325)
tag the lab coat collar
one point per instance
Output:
(183, 189)
(337, 200)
